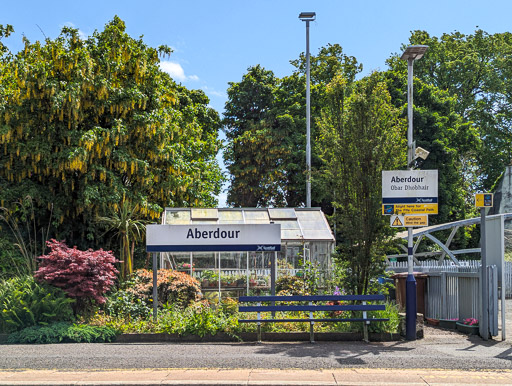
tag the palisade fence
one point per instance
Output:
(452, 291)
(466, 266)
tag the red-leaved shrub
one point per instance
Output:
(84, 275)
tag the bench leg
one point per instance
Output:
(311, 333)
(365, 332)
(259, 332)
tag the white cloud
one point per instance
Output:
(210, 91)
(176, 71)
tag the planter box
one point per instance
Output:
(464, 328)
(432, 321)
(448, 324)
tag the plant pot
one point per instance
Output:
(466, 329)
(432, 321)
(448, 324)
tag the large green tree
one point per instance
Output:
(266, 129)
(362, 133)
(453, 143)
(84, 123)
(476, 69)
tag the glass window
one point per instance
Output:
(256, 217)
(282, 213)
(173, 217)
(231, 217)
(204, 214)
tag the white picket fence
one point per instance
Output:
(449, 266)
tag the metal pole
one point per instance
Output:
(155, 286)
(484, 322)
(410, 289)
(308, 122)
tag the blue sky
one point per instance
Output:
(215, 42)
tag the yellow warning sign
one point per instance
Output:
(409, 221)
(397, 223)
(416, 221)
(409, 209)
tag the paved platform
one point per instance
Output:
(259, 377)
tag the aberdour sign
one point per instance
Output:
(409, 192)
(213, 237)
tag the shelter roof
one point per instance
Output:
(297, 224)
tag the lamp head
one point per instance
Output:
(307, 16)
(414, 52)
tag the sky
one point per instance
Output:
(214, 42)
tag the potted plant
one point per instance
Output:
(468, 326)
(450, 324)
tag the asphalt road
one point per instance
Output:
(438, 350)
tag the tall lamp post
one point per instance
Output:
(411, 54)
(307, 17)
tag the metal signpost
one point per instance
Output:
(484, 201)
(409, 196)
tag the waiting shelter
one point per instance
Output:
(233, 270)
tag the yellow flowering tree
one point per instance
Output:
(86, 122)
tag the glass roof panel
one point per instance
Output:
(204, 213)
(256, 217)
(288, 224)
(231, 217)
(282, 213)
(177, 217)
(291, 234)
(316, 234)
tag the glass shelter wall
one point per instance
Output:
(305, 235)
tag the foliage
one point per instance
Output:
(476, 69)
(84, 122)
(63, 332)
(25, 302)
(124, 303)
(128, 229)
(265, 127)
(21, 221)
(289, 285)
(173, 287)
(255, 149)
(361, 135)
(453, 144)
(84, 275)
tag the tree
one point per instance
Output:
(84, 123)
(127, 228)
(362, 134)
(452, 142)
(255, 150)
(266, 130)
(476, 69)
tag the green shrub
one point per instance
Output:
(25, 302)
(63, 332)
(289, 285)
(126, 304)
(173, 287)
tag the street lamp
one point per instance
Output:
(411, 54)
(307, 17)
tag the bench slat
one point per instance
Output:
(313, 298)
(312, 320)
(343, 307)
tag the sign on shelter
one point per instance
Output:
(213, 237)
(409, 192)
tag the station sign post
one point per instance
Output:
(409, 196)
